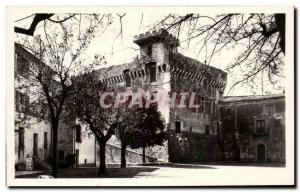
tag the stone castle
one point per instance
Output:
(194, 135)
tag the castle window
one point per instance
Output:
(127, 78)
(260, 126)
(206, 129)
(205, 84)
(149, 50)
(269, 109)
(152, 96)
(135, 74)
(228, 112)
(193, 109)
(152, 70)
(159, 68)
(197, 102)
(164, 67)
(178, 126)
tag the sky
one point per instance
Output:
(119, 50)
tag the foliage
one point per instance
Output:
(85, 107)
(152, 130)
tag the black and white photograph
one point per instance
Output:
(150, 96)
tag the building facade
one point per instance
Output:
(192, 132)
(32, 125)
(32, 117)
(253, 128)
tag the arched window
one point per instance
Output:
(164, 67)
(159, 68)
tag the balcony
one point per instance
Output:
(260, 132)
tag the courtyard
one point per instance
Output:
(168, 170)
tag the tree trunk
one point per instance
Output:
(144, 156)
(54, 147)
(123, 156)
(102, 167)
(280, 22)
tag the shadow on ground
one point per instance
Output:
(185, 166)
(92, 172)
(245, 164)
(212, 165)
(142, 169)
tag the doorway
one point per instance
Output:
(35, 144)
(261, 153)
(77, 157)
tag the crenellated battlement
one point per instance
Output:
(160, 35)
(148, 34)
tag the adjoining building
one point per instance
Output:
(32, 125)
(253, 128)
(33, 134)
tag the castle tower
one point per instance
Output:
(156, 45)
(155, 49)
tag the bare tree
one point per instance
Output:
(56, 53)
(37, 18)
(261, 40)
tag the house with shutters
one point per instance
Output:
(32, 119)
(32, 125)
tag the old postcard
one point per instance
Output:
(150, 96)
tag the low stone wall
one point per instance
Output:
(113, 155)
(193, 147)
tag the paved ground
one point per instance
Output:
(21, 173)
(158, 171)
